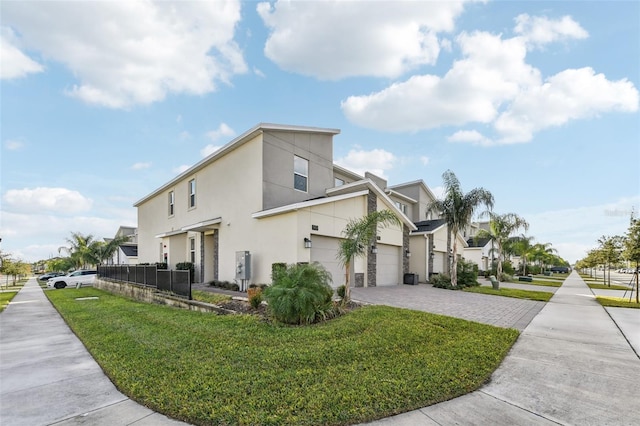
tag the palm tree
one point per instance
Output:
(359, 235)
(501, 226)
(106, 250)
(82, 250)
(523, 247)
(542, 252)
(457, 208)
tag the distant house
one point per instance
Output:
(127, 253)
(478, 251)
(274, 195)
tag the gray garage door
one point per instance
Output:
(325, 251)
(388, 270)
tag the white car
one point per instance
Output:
(74, 279)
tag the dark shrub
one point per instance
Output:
(187, 266)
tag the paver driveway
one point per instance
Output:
(504, 312)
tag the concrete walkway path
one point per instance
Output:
(572, 365)
(48, 377)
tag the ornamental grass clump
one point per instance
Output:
(300, 294)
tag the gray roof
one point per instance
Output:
(429, 225)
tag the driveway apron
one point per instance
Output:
(572, 365)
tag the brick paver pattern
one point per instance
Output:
(499, 311)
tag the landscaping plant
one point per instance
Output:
(300, 294)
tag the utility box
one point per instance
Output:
(243, 265)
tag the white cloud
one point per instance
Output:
(493, 85)
(337, 39)
(181, 169)
(59, 200)
(209, 149)
(424, 160)
(259, 72)
(377, 161)
(469, 136)
(13, 145)
(140, 166)
(575, 231)
(540, 30)
(127, 53)
(223, 131)
(15, 64)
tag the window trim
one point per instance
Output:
(191, 196)
(295, 173)
(172, 203)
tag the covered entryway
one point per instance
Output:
(388, 265)
(325, 251)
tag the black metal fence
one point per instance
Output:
(177, 282)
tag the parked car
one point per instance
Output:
(560, 269)
(49, 275)
(74, 279)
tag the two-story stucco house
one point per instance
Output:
(272, 192)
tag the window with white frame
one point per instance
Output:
(300, 173)
(192, 250)
(192, 193)
(402, 207)
(172, 202)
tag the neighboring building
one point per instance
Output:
(275, 193)
(127, 253)
(478, 251)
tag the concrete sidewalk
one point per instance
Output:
(572, 365)
(48, 377)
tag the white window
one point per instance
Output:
(401, 207)
(300, 173)
(337, 182)
(192, 250)
(172, 201)
(192, 193)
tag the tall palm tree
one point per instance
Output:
(457, 208)
(501, 226)
(541, 253)
(359, 235)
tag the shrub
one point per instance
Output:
(341, 291)
(255, 300)
(301, 294)
(162, 265)
(277, 268)
(187, 266)
(467, 277)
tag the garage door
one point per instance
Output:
(388, 269)
(325, 251)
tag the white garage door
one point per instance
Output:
(325, 251)
(388, 269)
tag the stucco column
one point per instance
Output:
(372, 258)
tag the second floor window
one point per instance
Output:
(192, 193)
(172, 200)
(401, 207)
(300, 173)
(192, 250)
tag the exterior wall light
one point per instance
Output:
(374, 249)
(407, 253)
(307, 243)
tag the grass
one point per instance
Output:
(607, 287)
(5, 298)
(542, 296)
(618, 302)
(206, 369)
(540, 282)
(208, 297)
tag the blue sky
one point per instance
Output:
(102, 102)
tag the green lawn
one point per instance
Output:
(209, 297)
(607, 287)
(238, 369)
(540, 282)
(618, 302)
(542, 296)
(5, 298)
